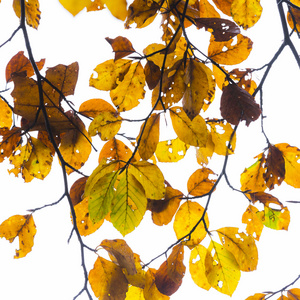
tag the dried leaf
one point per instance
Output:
(150, 290)
(77, 190)
(152, 74)
(199, 184)
(254, 224)
(9, 141)
(224, 6)
(92, 108)
(121, 46)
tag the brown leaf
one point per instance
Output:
(265, 198)
(275, 167)
(222, 29)
(152, 73)
(77, 190)
(238, 105)
(9, 141)
(121, 46)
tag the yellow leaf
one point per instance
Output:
(107, 280)
(199, 184)
(274, 218)
(204, 153)
(220, 134)
(242, 247)
(74, 6)
(32, 12)
(22, 227)
(186, 218)
(5, 115)
(150, 177)
(257, 296)
(129, 204)
(106, 124)
(252, 178)
(120, 254)
(131, 89)
(95, 5)
(291, 157)
(293, 294)
(134, 293)
(83, 221)
(9, 141)
(233, 54)
(197, 266)
(171, 150)
(150, 137)
(254, 224)
(207, 10)
(138, 279)
(150, 291)
(118, 8)
(190, 132)
(110, 74)
(222, 270)
(164, 210)
(91, 108)
(246, 12)
(75, 147)
(224, 6)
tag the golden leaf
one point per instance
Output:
(150, 136)
(171, 150)
(257, 296)
(135, 293)
(9, 141)
(22, 227)
(234, 54)
(274, 218)
(74, 6)
(32, 12)
(254, 223)
(107, 280)
(207, 10)
(138, 279)
(190, 132)
(224, 6)
(118, 8)
(150, 290)
(204, 153)
(186, 218)
(5, 115)
(91, 108)
(131, 89)
(293, 294)
(246, 12)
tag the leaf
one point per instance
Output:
(141, 12)
(234, 53)
(32, 12)
(93, 107)
(139, 278)
(199, 184)
(171, 150)
(95, 5)
(168, 277)
(293, 294)
(197, 87)
(221, 133)
(107, 280)
(150, 177)
(22, 227)
(246, 12)
(222, 29)
(115, 150)
(77, 190)
(238, 105)
(20, 63)
(186, 218)
(242, 246)
(150, 290)
(130, 90)
(254, 224)
(84, 223)
(129, 204)
(207, 10)
(110, 73)
(120, 254)
(75, 146)
(118, 8)
(257, 296)
(190, 132)
(197, 266)
(9, 141)
(121, 46)
(275, 165)
(5, 115)
(252, 178)
(224, 6)
(152, 74)
(222, 270)
(106, 124)
(164, 210)
(204, 153)
(292, 166)
(74, 6)
(275, 219)
(149, 136)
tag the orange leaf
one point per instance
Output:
(91, 108)
(207, 10)
(77, 190)
(254, 224)
(10, 140)
(238, 105)
(32, 12)
(293, 294)
(121, 46)
(224, 6)
(150, 290)
(257, 296)
(199, 184)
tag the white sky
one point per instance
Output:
(52, 270)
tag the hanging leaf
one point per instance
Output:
(107, 280)
(130, 90)
(74, 6)
(238, 105)
(203, 154)
(197, 266)
(171, 150)
(93, 107)
(254, 223)
(150, 290)
(224, 6)
(293, 294)
(186, 218)
(22, 227)
(246, 12)
(129, 204)
(275, 219)
(121, 46)
(9, 141)
(77, 190)
(5, 115)
(118, 8)
(207, 10)
(168, 277)
(32, 12)
(222, 270)
(139, 278)
(95, 5)
(229, 52)
(190, 132)
(257, 296)
(152, 74)
(164, 210)
(150, 136)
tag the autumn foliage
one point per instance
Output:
(178, 82)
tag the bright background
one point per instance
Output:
(52, 270)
